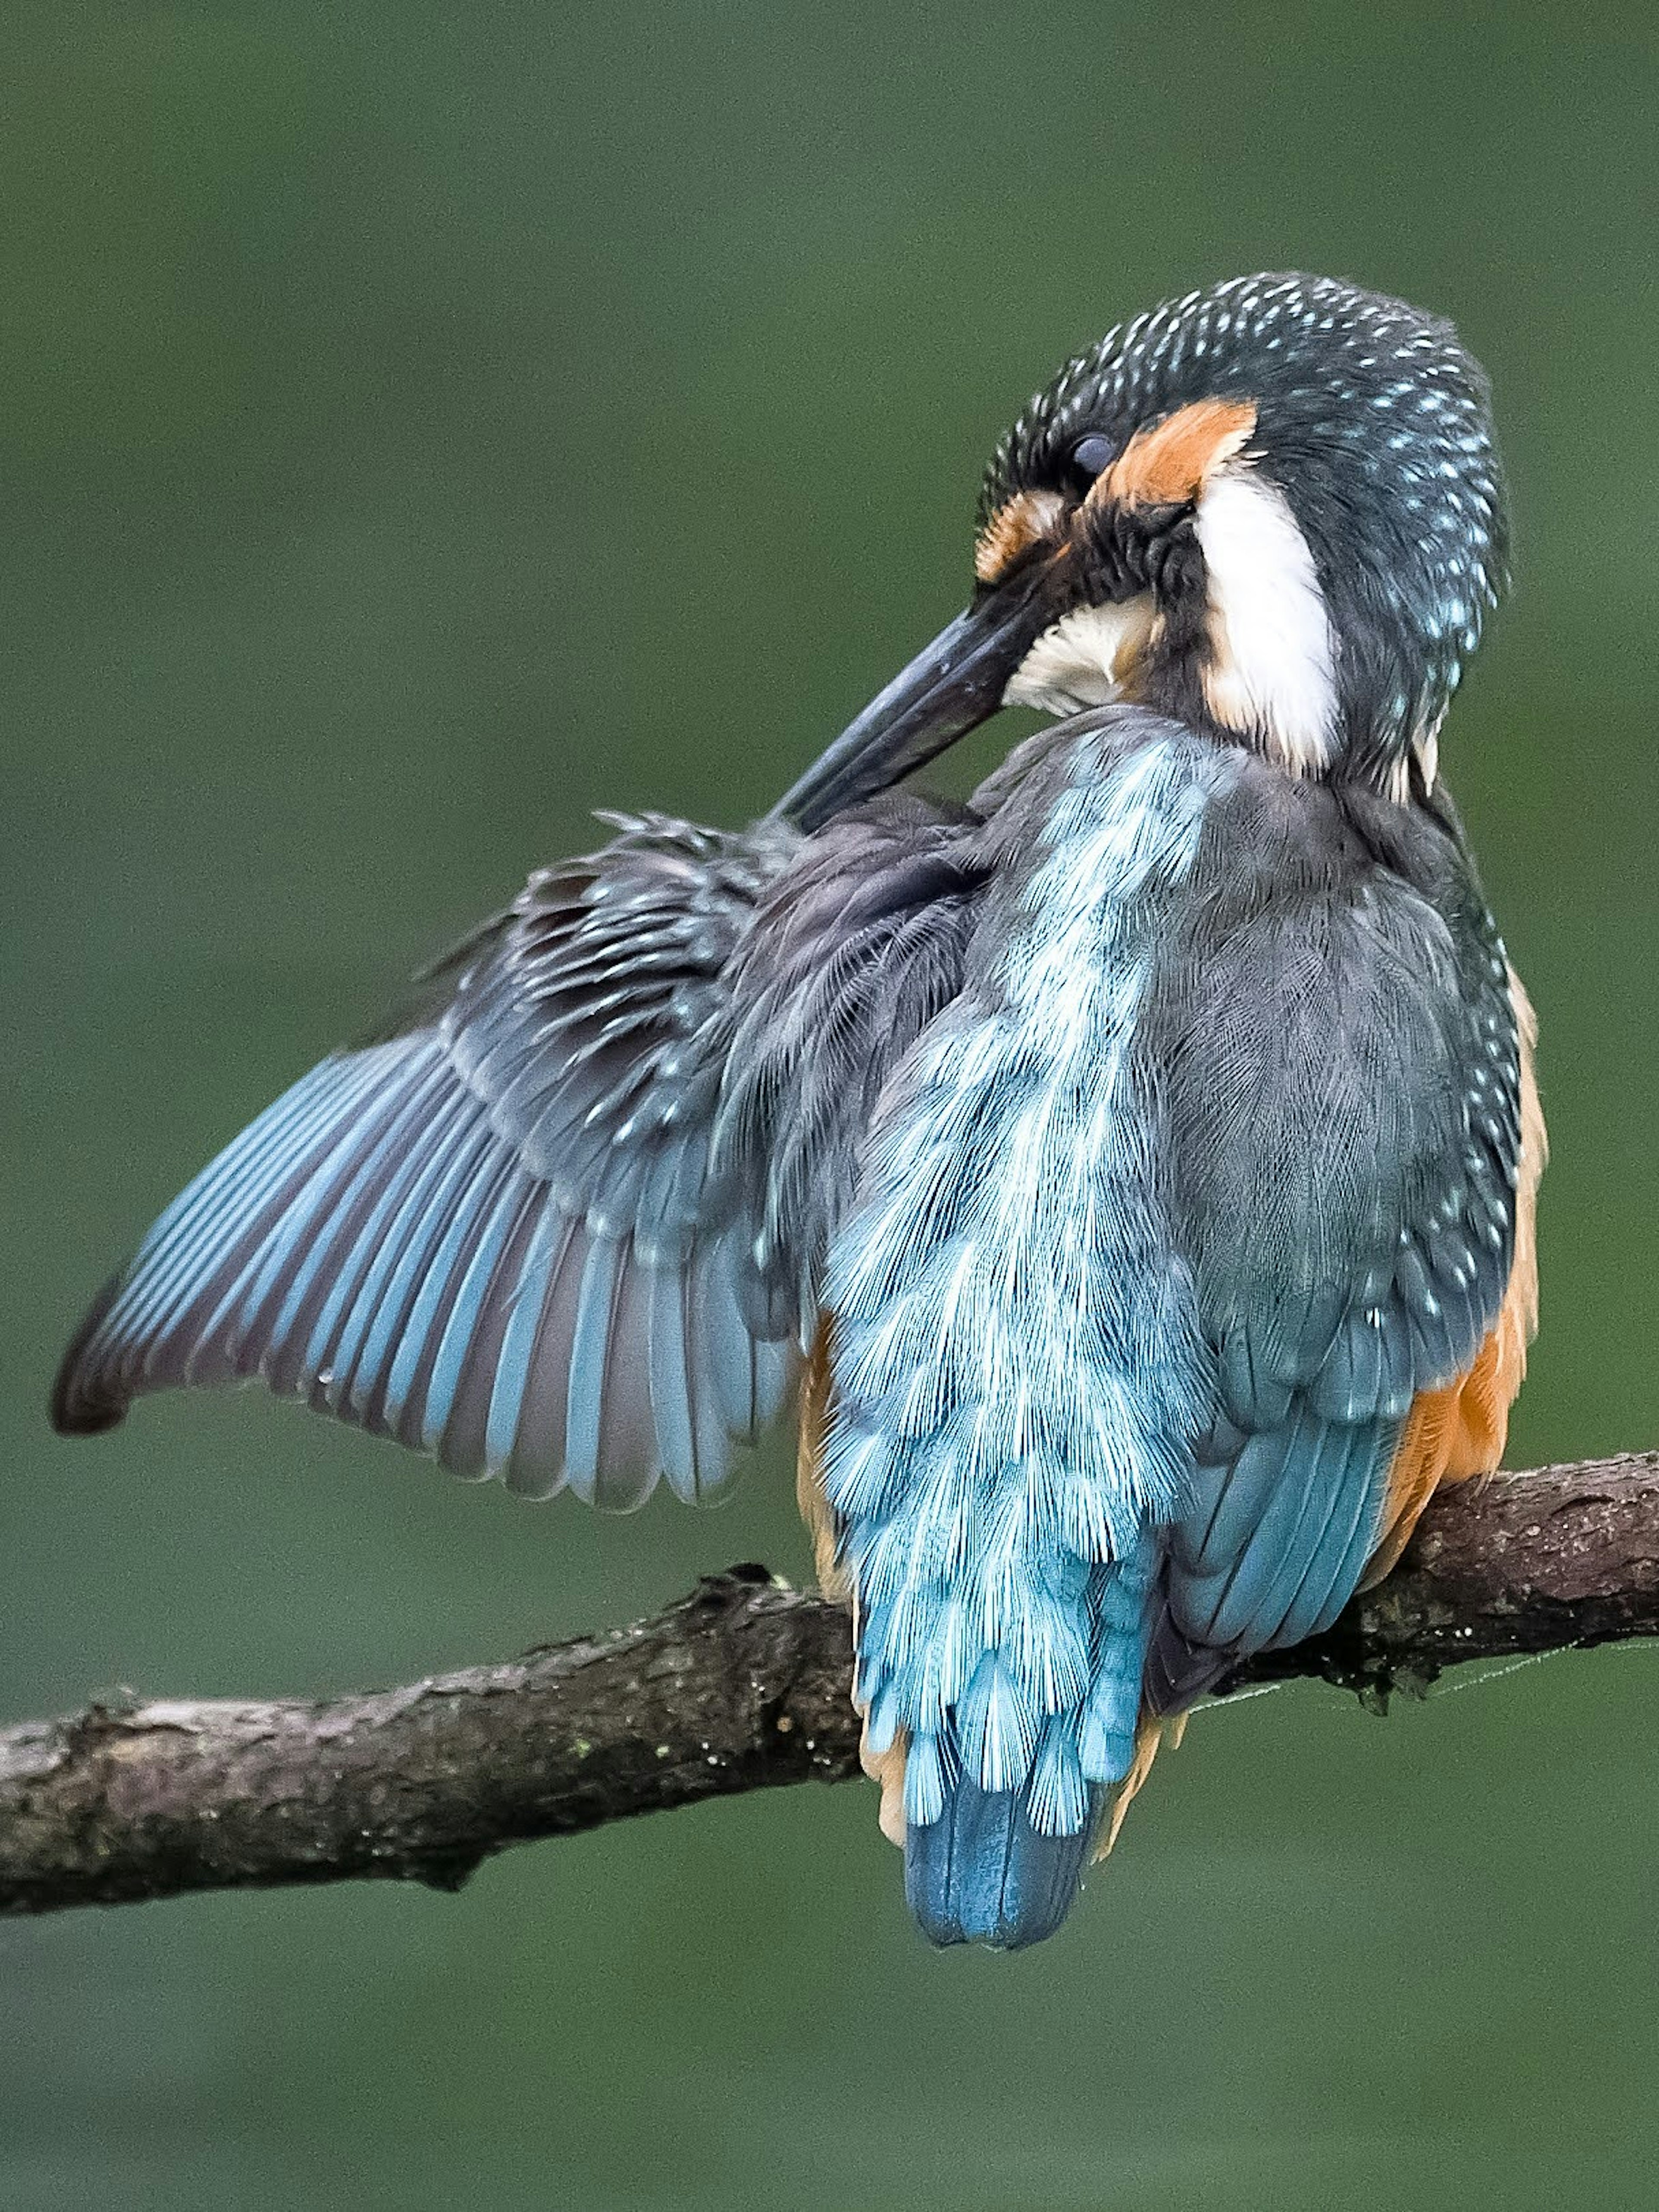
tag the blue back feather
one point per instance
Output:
(1018, 1368)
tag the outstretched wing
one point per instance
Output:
(494, 1237)
(568, 1229)
(1341, 1067)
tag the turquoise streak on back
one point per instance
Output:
(1018, 1366)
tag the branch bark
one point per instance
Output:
(744, 1684)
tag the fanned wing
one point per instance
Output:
(1341, 1062)
(495, 1239)
(567, 1229)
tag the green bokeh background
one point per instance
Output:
(421, 425)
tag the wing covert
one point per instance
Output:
(1340, 1064)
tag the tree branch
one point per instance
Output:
(743, 1686)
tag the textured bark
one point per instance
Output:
(743, 1686)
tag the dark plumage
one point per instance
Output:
(1376, 423)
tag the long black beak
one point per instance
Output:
(950, 687)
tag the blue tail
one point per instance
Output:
(982, 1874)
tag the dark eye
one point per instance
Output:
(1092, 454)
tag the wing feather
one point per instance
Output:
(492, 1237)
(567, 1228)
(1341, 1059)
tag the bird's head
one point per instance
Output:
(1273, 509)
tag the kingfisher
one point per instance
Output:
(1126, 1178)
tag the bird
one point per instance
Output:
(1125, 1178)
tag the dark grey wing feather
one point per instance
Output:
(854, 952)
(1340, 1070)
(1336, 1054)
(493, 1237)
(566, 1229)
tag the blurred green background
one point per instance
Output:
(422, 425)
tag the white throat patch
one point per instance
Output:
(1271, 674)
(1083, 659)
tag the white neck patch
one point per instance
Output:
(1270, 675)
(1082, 659)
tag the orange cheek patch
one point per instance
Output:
(1166, 466)
(1017, 525)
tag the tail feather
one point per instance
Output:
(982, 1874)
(994, 1854)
